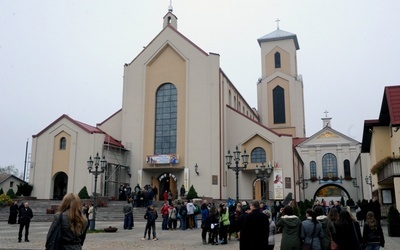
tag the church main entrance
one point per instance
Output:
(60, 185)
(165, 182)
(260, 191)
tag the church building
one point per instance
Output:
(180, 117)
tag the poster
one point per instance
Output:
(278, 184)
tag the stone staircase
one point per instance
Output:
(112, 212)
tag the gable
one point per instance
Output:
(328, 136)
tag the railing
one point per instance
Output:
(390, 170)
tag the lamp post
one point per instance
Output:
(265, 172)
(368, 180)
(96, 172)
(237, 168)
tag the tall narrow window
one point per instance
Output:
(63, 143)
(313, 169)
(329, 165)
(277, 60)
(230, 99)
(166, 119)
(278, 95)
(258, 155)
(346, 166)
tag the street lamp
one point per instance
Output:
(368, 180)
(237, 168)
(96, 172)
(265, 172)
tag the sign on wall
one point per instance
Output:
(162, 159)
(278, 184)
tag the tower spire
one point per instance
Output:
(170, 9)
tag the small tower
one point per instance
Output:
(169, 18)
(326, 121)
(280, 88)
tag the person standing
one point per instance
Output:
(190, 214)
(155, 192)
(90, 216)
(290, 225)
(164, 213)
(272, 231)
(373, 237)
(74, 224)
(327, 227)
(12, 218)
(182, 191)
(204, 222)
(348, 234)
(25, 216)
(311, 230)
(183, 215)
(255, 231)
(85, 210)
(224, 224)
(172, 217)
(128, 215)
(151, 217)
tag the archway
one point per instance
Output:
(167, 182)
(260, 190)
(60, 185)
(331, 192)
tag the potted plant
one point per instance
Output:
(393, 220)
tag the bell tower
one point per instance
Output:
(280, 88)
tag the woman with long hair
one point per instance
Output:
(311, 230)
(348, 234)
(373, 237)
(73, 224)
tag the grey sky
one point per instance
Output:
(67, 57)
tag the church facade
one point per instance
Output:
(180, 117)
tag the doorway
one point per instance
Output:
(60, 186)
(167, 182)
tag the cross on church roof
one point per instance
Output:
(326, 113)
(170, 9)
(277, 23)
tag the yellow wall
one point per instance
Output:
(61, 156)
(285, 85)
(285, 62)
(167, 66)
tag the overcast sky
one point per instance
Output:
(67, 56)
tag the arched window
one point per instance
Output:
(230, 99)
(234, 102)
(166, 119)
(346, 166)
(278, 95)
(313, 169)
(258, 155)
(329, 165)
(277, 60)
(63, 143)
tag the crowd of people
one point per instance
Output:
(255, 225)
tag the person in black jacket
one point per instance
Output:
(12, 219)
(25, 216)
(255, 231)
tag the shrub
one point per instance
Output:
(83, 194)
(191, 193)
(5, 199)
(1, 191)
(11, 194)
(24, 189)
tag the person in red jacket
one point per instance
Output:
(164, 213)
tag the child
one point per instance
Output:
(214, 226)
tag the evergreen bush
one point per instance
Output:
(24, 189)
(83, 194)
(191, 193)
(11, 194)
(1, 191)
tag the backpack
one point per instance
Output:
(183, 211)
(196, 209)
(173, 214)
